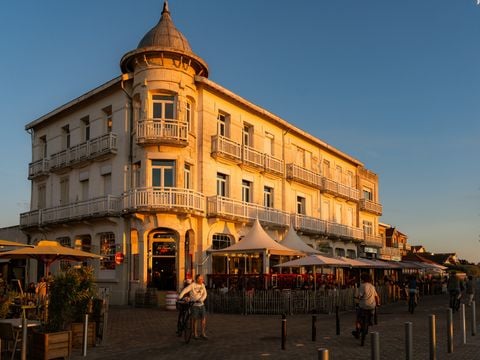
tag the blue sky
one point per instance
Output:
(395, 84)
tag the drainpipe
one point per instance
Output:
(126, 77)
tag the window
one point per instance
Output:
(351, 254)
(300, 159)
(350, 216)
(86, 127)
(367, 227)
(339, 252)
(42, 196)
(350, 179)
(64, 241)
(107, 251)
(64, 191)
(43, 147)
(247, 138)
(163, 107)
(187, 177)
(136, 175)
(338, 213)
(222, 120)
(222, 185)
(221, 241)
(367, 194)
(338, 173)
(108, 118)
(163, 173)
(326, 168)
(269, 144)
(107, 184)
(84, 188)
(246, 191)
(301, 205)
(188, 115)
(268, 197)
(325, 210)
(66, 136)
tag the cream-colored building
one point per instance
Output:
(162, 164)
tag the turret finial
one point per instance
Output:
(165, 7)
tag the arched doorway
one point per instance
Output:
(163, 250)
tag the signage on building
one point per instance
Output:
(370, 250)
(119, 258)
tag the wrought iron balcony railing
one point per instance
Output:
(92, 149)
(371, 206)
(219, 206)
(158, 199)
(157, 131)
(108, 205)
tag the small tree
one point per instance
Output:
(70, 294)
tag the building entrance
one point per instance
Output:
(163, 267)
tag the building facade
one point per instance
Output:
(162, 164)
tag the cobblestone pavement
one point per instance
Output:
(136, 333)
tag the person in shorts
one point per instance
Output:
(368, 300)
(197, 293)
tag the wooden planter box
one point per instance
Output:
(46, 346)
(77, 334)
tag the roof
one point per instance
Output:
(257, 240)
(164, 38)
(293, 241)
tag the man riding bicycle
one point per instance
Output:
(368, 301)
(197, 293)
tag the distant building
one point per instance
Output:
(418, 249)
(395, 243)
(161, 164)
(442, 258)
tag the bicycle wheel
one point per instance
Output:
(187, 329)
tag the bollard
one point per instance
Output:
(433, 337)
(474, 319)
(314, 328)
(24, 337)
(284, 330)
(408, 341)
(85, 336)
(322, 354)
(375, 339)
(464, 324)
(449, 331)
(337, 320)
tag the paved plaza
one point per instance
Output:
(139, 333)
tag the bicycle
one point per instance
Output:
(184, 323)
(364, 319)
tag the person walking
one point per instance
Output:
(368, 300)
(470, 290)
(453, 287)
(198, 294)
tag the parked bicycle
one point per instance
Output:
(184, 322)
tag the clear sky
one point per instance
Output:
(395, 84)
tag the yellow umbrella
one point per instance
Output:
(48, 251)
(13, 243)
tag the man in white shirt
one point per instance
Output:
(198, 294)
(368, 300)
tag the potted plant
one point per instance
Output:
(69, 297)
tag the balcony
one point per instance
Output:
(373, 240)
(222, 207)
(304, 176)
(99, 207)
(390, 252)
(273, 165)
(38, 168)
(370, 206)
(309, 224)
(344, 231)
(95, 149)
(225, 148)
(164, 199)
(252, 157)
(161, 131)
(340, 190)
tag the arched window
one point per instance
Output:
(221, 241)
